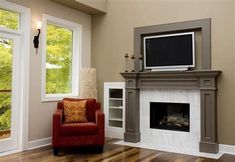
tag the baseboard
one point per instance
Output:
(10, 152)
(39, 143)
(114, 134)
(227, 149)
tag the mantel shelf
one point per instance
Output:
(195, 79)
(158, 74)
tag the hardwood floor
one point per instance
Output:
(111, 152)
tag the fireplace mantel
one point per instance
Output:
(203, 80)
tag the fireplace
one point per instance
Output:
(170, 116)
(171, 103)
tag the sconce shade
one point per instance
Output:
(39, 24)
(87, 83)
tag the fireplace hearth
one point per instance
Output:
(170, 116)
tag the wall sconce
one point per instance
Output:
(36, 38)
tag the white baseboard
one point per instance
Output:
(227, 149)
(39, 143)
(114, 134)
(10, 152)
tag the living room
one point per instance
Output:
(109, 29)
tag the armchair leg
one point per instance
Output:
(100, 148)
(55, 151)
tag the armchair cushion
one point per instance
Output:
(78, 129)
(75, 111)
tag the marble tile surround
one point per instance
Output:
(166, 139)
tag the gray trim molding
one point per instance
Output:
(203, 25)
(204, 80)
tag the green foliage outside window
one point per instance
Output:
(58, 60)
(9, 19)
(5, 111)
(6, 50)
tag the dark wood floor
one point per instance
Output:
(111, 152)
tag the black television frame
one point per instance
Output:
(173, 67)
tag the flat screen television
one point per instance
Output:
(169, 51)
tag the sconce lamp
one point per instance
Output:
(36, 38)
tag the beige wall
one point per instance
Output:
(40, 113)
(112, 36)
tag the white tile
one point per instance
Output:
(166, 139)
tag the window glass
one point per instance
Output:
(6, 52)
(9, 19)
(59, 45)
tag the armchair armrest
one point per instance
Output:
(56, 123)
(99, 117)
(57, 117)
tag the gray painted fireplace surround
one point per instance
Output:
(204, 80)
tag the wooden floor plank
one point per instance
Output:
(121, 155)
(151, 157)
(111, 153)
(108, 154)
(139, 157)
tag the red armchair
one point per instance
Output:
(78, 134)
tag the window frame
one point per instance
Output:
(76, 56)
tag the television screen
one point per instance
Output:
(169, 51)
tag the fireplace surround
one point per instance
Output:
(204, 80)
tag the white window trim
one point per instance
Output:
(23, 102)
(76, 56)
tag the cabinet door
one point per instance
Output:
(114, 104)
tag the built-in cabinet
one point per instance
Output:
(114, 108)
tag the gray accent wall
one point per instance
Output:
(203, 25)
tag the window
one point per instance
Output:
(61, 51)
(9, 19)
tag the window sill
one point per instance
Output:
(56, 98)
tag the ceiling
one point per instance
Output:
(84, 7)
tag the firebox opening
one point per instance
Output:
(170, 116)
